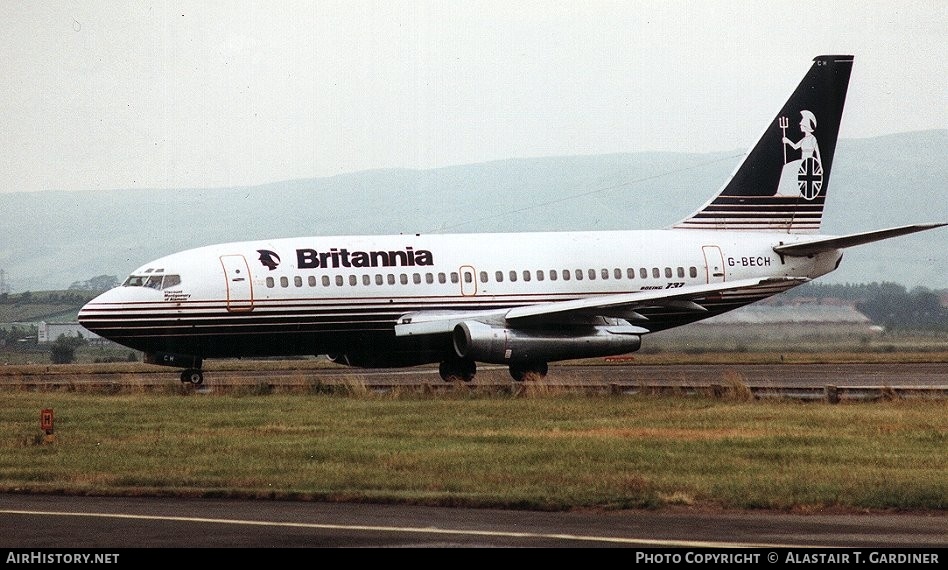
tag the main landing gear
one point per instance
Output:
(529, 371)
(192, 376)
(464, 369)
(456, 369)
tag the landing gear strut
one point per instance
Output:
(529, 371)
(457, 369)
(192, 376)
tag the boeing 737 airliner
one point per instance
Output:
(518, 299)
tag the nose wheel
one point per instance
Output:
(192, 376)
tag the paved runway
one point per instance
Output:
(37, 521)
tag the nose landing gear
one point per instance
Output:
(192, 376)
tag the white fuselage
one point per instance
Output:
(335, 294)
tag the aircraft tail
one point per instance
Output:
(781, 184)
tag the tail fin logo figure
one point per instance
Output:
(269, 259)
(803, 176)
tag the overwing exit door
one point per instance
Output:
(468, 280)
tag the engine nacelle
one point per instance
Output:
(496, 345)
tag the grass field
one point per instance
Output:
(538, 450)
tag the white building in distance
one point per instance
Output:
(49, 332)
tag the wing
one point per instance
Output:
(614, 310)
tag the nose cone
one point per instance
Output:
(91, 314)
(116, 309)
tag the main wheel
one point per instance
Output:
(192, 376)
(536, 370)
(457, 369)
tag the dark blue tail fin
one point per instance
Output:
(781, 184)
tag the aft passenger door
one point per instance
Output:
(713, 263)
(239, 285)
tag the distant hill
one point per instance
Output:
(53, 239)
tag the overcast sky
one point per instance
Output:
(109, 95)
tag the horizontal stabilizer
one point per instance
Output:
(830, 243)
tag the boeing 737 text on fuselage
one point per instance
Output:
(518, 299)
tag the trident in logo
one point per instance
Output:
(784, 123)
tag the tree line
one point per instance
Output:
(887, 304)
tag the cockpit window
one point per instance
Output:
(153, 281)
(134, 281)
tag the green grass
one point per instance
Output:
(545, 451)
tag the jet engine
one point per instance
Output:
(497, 345)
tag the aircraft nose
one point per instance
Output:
(91, 314)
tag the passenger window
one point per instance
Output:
(325, 281)
(378, 279)
(366, 280)
(668, 272)
(339, 281)
(403, 278)
(416, 278)
(579, 274)
(643, 273)
(693, 271)
(270, 282)
(513, 275)
(526, 275)
(284, 282)
(429, 278)
(298, 281)
(566, 275)
(353, 281)
(468, 277)
(540, 275)
(630, 273)
(656, 273)
(390, 278)
(553, 275)
(499, 276)
(617, 273)
(311, 280)
(454, 277)
(681, 272)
